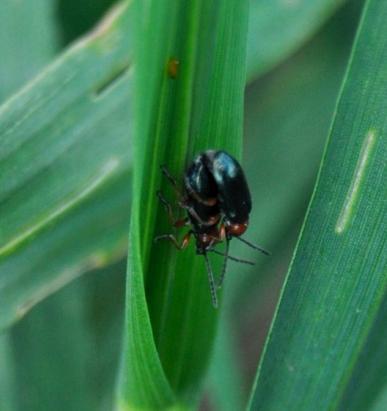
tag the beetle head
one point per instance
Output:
(235, 229)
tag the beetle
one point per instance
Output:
(217, 199)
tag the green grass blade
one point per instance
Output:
(28, 33)
(368, 384)
(28, 40)
(93, 68)
(170, 321)
(65, 352)
(77, 17)
(380, 403)
(41, 350)
(225, 379)
(92, 235)
(336, 283)
(66, 135)
(278, 28)
(278, 135)
(7, 375)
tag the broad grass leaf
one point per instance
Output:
(337, 280)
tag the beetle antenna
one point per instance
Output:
(230, 257)
(214, 298)
(226, 257)
(256, 247)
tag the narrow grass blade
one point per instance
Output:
(337, 280)
(278, 135)
(170, 321)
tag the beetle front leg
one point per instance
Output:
(192, 211)
(218, 238)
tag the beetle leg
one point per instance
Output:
(173, 240)
(171, 179)
(222, 232)
(181, 222)
(168, 175)
(166, 205)
(174, 221)
(211, 281)
(192, 211)
(221, 236)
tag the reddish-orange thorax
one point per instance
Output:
(236, 230)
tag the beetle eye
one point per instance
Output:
(236, 229)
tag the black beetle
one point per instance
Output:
(218, 203)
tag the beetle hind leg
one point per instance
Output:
(171, 179)
(175, 222)
(174, 241)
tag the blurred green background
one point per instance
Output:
(75, 334)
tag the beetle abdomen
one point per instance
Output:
(233, 191)
(200, 183)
